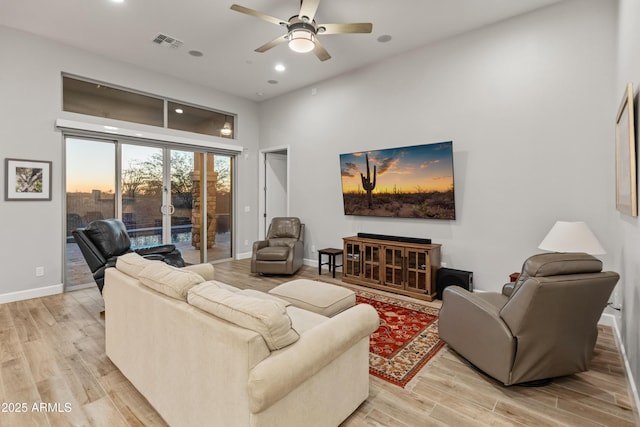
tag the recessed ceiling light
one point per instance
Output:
(118, 1)
(272, 82)
(384, 38)
(179, 110)
(196, 53)
(280, 67)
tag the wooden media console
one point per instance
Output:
(406, 268)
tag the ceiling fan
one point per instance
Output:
(302, 29)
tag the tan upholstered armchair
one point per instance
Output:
(282, 252)
(542, 326)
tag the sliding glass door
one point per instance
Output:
(142, 190)
(162, 193)
(90, 195)
(212, 214)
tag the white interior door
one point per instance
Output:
(275, 188)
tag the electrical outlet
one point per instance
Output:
(247, 208)
(246, 243)
(313, 248)
(443, 264)
(39, 271)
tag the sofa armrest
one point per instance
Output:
(283, 371)
(296, 250)
(206, 270)
(259, 244)
(471, 324)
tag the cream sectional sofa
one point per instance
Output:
(204, 353)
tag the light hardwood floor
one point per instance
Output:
(52, 353)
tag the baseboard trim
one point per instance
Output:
(31, 293)
(314, 263)
(78, 287)
(613, 322)
(244, 255)
(607, 319)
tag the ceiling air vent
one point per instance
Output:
(166, 40)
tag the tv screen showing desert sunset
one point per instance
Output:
(409, 182)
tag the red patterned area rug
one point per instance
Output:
(406, 339)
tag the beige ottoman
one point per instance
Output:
(319, 297)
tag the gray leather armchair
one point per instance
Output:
(542, 326)
(282, 252)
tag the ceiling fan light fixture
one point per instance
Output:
(302, 40)
(302, 29)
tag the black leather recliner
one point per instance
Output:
(104, 240)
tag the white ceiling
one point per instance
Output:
(124, 32)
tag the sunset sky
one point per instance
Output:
(426, 167)
(83, 174)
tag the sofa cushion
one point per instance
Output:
(273, 253)
(223, 285)
(262, 295)
(169, 280)
(287, 242)
(132, 264)
(268, 317)
(205, 270)
(304, 320)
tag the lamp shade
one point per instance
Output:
(567, 236)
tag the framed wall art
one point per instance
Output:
(27, 179)
(626, 178)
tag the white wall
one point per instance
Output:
(628, 228)
(31, 88)
(528, 105)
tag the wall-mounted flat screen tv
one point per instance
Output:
(406, 182)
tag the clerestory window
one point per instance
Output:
(100, 100)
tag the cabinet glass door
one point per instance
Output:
(351, 259)
(393, 266)
(417, 270)
(371, 262)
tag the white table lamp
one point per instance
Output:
(567, 236)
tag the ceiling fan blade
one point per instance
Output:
(258, 15)
(273, 43)
(356, 27)
(309, 8)
(321, 52)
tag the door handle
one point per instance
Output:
(167, 209)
